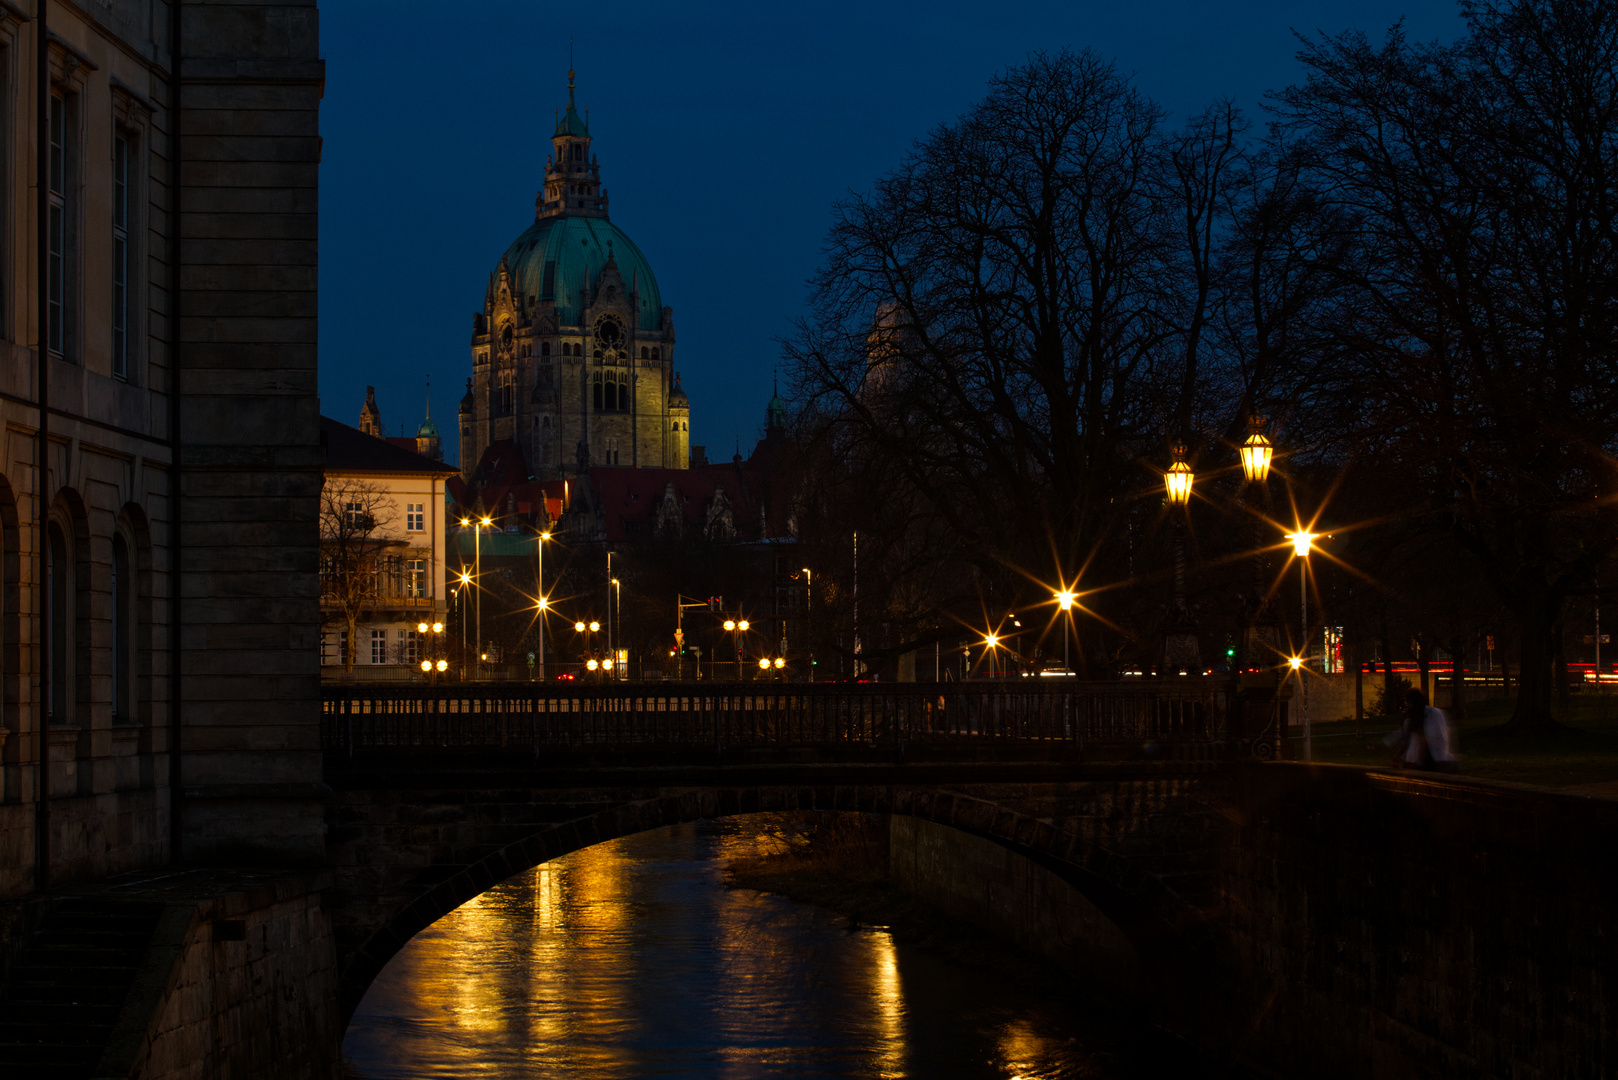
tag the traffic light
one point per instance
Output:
(1230, 652)
(716, 604)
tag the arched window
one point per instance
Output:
(643, 352)
(598, 354)
(676, 425)
(623, 394)
(598, 391)
(656, 353)
(123, 622)
(58, 596)
(544, 348)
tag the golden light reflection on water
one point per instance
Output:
(631, 958)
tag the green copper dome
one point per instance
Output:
(558, 258)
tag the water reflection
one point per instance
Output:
(631, 959)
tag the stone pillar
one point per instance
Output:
(250, 86)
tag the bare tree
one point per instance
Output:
(355, 516)
(1476, 185)
(1004, 322)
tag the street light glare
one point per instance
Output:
(544, 603)
(991, 640)
(426, 665)
(544, 536)
(1296, 662)
(443, 665)
(1302, 542)
(764, 661)
(465, 522)
(438, 628)
(486, 522)
(730, 624)
(421, 628)
(578, 628)
(595, 627)
(742, 625)
(1065, 598)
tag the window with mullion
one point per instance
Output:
(120, 257)
(56, 269)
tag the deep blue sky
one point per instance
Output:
(725, 131)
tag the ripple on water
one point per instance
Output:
(631, 959)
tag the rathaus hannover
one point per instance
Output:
(573, 350)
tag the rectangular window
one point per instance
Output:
(418, 578)
(120, 257)
(379, 646)
(409, 648)
(56, 270)
(415, 517)
(354, 515)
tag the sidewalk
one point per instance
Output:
(1582, 758)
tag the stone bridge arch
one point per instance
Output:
(402, 863)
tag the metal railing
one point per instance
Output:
(690, 715)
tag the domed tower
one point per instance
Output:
(679, 444)
(573, 347)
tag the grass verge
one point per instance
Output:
(1581, 755)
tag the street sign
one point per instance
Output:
(1490, 640)
(530, 659)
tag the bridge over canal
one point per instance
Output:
(441, 793)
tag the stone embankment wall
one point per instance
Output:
(983, 883)
(240, 985)
(1361, 926)
(1392, 926)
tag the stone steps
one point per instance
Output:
(65, 991)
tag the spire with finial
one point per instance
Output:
(572, 176)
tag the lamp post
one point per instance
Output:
(1180, 651)
(461, 587)
(477, 573)
(737, 627)
(431, 645)
(1302, 542)
(1256, 453)
(610, 584)
(1064, 600)
(544, 605)
(617, 617)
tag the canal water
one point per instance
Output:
(632, 959)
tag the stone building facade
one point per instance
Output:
(160, 469)
(573, 350)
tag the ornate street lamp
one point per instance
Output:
(1256, 452)
(1178, 479)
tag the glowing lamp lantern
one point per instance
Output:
(780, 662)
(743, 625)
(764, 663)
(1302, 542)
(426, 665)
(421, 628)
(438, 628)
(443, 665)
(578, 628)
(730, 624)
(591, 664)
(595, 627)
(1256, 452)
(606, 664)
(1296, 662)
(1177, 481)
(1065, 598)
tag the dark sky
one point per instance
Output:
(724, 130)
